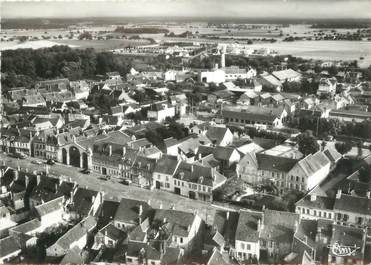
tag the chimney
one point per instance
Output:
(160, 206)
(149, 202)
(188, 228)
(38, 178)
(192, 168)
(110, 150)
(296, 226)
(338, 194)
(164, 220)
(313, 197)
(259, 225)
(16, 174)
(140, 210)
(124, 150)
(368, 194)
(227, 215)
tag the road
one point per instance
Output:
(114, 190)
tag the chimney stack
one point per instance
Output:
(313, 197)
(110, 150)
(368, 194)
(338, 194)
(16, 174)
(140, 209)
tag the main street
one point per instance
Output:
(114, 190)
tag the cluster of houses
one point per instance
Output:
(325, 228)
(60, 121)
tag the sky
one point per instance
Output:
(189, 8)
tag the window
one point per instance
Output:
(129, 260)
(303, 210)
(324, 215)
(248, 247)
(308, 211)
(242, 246)
(314, 212)
(167, 185)
(153, 263)
(181, 240)
(174, 182)
(329, 215)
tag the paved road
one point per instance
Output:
(115, 190)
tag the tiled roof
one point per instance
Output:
(166, 165)
(247, 228)
(50, 206)
(128, 211)
(8, 245)
(76, 232)
(279, 226)
(324, 203)
(355, 204)
(286, 74)
(177, 222)
(313, 163)
(216, 134)
(275, 163)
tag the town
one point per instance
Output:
(183, 153)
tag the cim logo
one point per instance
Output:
(343, 251)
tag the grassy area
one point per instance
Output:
(102, 44)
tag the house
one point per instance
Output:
(219, 136)
(51, 212)
(309, 172)
(142, 170)
(234, 72)
(109, 236)
(227, 156)
(84, 201)
(287, 75)
(254, 116)
(57, 85)
(196, 181)
(188, 147)
(316, 206)
(350, 115)
(122, 110)
(35, 100)
(270, 81)
(131, 213)
(171, 145)
(247, 245)
(163, 173)
(76, 236)
(250, 97)
(352, 237)
(327, 86)
(352, 210)
(80, 89)
(216, 76)
(181, 229)
(142, 253)
(160, 111)
(10, 249)
(277, 232)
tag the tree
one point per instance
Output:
(343, 148)
(365, 174)
(307, 144)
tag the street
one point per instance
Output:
(114, 190)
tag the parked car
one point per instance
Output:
(126, 181)
(85, 171)
(36, 162)
(105, 178)
(50, 162)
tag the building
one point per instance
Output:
(287, 75)
(327, 86)
(196, 181)
(247, 241)
(219, 136)
(254, 116)
(160, 111)
(76, 236)
(163, 173)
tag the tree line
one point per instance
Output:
(23, 67)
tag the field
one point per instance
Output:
(82, 44)
(324, 50)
